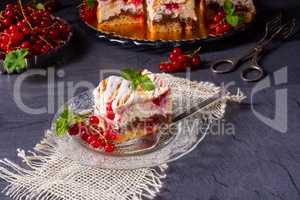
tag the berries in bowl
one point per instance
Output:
(28, 34)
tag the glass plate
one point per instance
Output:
(175, 144)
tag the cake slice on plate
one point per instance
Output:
(171, 15)
(133, 110)
(120, 12)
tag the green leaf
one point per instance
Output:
(146, 83)
(233, 20)
(15, 61)
(130, 74)
(241, 19)
(90, 3)
(65, 120)
(229, 7)
(137, 78)
(40, 6)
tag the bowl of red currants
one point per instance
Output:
(30, 36)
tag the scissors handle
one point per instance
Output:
(257, 71)
(224, 66)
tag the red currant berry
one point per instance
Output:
(109, 106)
(169, 67)
(25, 45)
(13, 28)
(177, 51)
(102, 142)
(221, 14)
(9, 6)
(96, 144)
(109, 148)
(162, 66)
(94, 120)
(53, 34)
(112, 135)
(7, 22)
(182, 59)
(226, 27)
(217, 18)
(176, 65)
(196, 60)
(91, 138)
(110, 115)
(20, 25)
(173, 57)
(9, 14)
(219, 29)
(16, 37)
(4, 39)
(26, 30)
(84, 136)
(83, 128)
(74, 129)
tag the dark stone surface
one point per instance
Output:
(257, 162)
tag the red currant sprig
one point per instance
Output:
(94, 134)
(178, 61)
(219, 25)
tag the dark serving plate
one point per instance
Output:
(131, 42)
(45, 60)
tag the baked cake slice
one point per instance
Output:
(171, 15)
(120, 12)
(133, 112)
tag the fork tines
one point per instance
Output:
(273, 25)
(289, 30)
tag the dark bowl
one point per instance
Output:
(44, 60)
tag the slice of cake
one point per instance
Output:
(134, 112)
(171, 15)
(120, 12)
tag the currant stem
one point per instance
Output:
(43, 39)
(21, 6)
(102, 137)
(197, 50)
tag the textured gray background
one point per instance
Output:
(256, 163)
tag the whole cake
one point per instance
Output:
(161, 15)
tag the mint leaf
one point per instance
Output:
(233, 20)
(232, 17)
(15, 61)
(130, 74)
(241, 19)
(229, 7)
(137, 78)
(146, 83)
(65, 120)
(90, 3)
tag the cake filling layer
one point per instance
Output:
(171, 9)
(111, 8)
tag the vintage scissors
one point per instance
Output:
(254, 72)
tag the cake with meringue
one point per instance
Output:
(165, 16)
(133, 110)
(120, 12)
